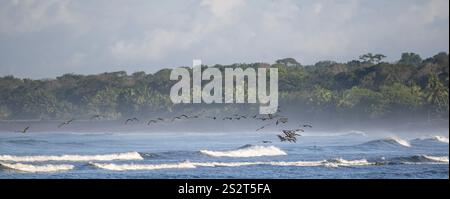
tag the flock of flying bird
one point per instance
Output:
(289, 135)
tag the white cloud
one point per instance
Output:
(27, 16)
(97, 36)
(223, 9)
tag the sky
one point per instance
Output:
(48, 38)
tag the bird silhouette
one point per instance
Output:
(227, 118)
(134, 119)
(180, 117)
(262, 127)
(281, 120)
(282, 138)
(151, 121)
(238, 117)
(214, 117)
(65, 123)
(24, 130)
(307, 126)
(289, 135)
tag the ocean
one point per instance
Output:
(190, 155)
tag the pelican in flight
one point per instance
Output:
(24, 130)
(151, 121)
(289, 135)
(286, 138)
(282, 120)
(180, 117)
(238, 117)
(260, 128)
(307, 126)
(282, 138)
(227, 118)
(65, 123)
(214, 117)
(134, 119)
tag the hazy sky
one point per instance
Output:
(47, 38)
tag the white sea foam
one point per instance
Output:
(441, 139)
(339, 162)
(443, 159)
(184, 165)
(37, 168)
(225, 164)
(127, 167)
(73, 158)
(326, 163)
(420, 159)
(249, 151)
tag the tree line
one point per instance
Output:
(367, 88)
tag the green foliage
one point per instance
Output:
(437, 95)
(410, 59)
(368, 88)
(402, 97)
(372, 58)
(321, 97)
(371, 103)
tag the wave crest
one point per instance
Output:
(334, 163)
(417, 159)
(127, 167)
(439, 139)
(247, 151)
(37, 168)
(339, 162)
(390, 141)
(73, 158)
(443, 159)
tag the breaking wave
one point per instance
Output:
(73, 158)
(433, 139)
(37, 168)
(339, 162)
(247, 151)
(334, 163)
(390, 141)
(330, 163)
(127, 167)
(437, 158)
(420, 159)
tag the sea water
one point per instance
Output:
(192, 155)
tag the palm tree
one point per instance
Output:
(437, 94)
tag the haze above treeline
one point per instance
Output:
(367, 88)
